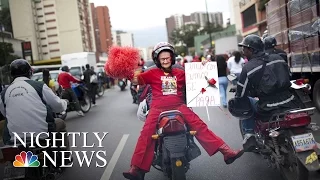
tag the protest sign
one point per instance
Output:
(196, 74)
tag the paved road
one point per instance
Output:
(115, 114)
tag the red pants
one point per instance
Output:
(144, 152)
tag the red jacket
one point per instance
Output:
(65, 79)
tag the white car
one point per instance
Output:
(54, 76)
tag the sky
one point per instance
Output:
(142, 14)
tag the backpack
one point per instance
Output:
(93, 79)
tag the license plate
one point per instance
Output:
(11, 172)
(304, 142)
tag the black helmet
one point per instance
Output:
(20, 68)
(240, 107)
(65, 68)
(269, 42)
(252, 41)
(163, 46)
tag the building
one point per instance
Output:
(143, 53)
(53, 27)
(175, 22)
(253, 17)
(102, 28)
(201, 18)
(121, 38)
(235, 17)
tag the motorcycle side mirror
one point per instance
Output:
(82, 77)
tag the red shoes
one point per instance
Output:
(134, 173)
(229, 154)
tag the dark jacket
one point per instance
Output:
(87, 75)
(270, 84)
(280, 52)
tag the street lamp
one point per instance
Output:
(209, 25)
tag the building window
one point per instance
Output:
(41, 23)
(56, 42)
(48, 13)
(249, 17)
(42, 31)
(40, 16)
(53, 35)
(51, 20)
(38, 9)
(49, 5)
(49, 28)
(44, 45)
(54, 50)
(43, 38)
(44, 53)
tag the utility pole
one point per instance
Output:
(209, 26)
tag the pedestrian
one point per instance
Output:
(223, 80)
(91, 81)
(235, 64)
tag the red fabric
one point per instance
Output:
(65, 79)
(153, 77)
(144, 152)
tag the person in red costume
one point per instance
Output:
(168, 98)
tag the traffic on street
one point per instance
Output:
(116, 115)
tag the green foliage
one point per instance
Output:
(186, 33)
(6, 51)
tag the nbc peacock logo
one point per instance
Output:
(26, 160)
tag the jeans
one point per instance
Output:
(248, 124)
(223, 85)
(93, 88)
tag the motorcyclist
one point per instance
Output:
(29, 105)
(265, 77)
(168, 98)
(269, 45)
(65, 79)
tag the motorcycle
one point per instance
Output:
(100, 89)
(286, 139)
(122, 83)
(175, 147)
(82, 93)
(8, 156)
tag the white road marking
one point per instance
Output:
(114, 159)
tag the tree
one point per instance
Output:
(5, 19)
(6, 56)
(186, 34)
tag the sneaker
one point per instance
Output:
(80, 113)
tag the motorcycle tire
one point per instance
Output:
(100, 91)
(87, 100)
(177, 173)
(302, 172)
